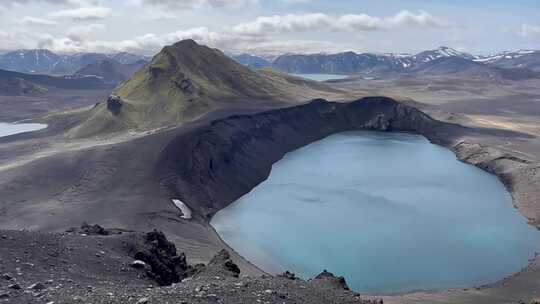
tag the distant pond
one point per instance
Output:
(321, 77)
(390, 212)
(7, 129)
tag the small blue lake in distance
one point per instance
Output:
(321, 77)
(390, 212)
(7, 129)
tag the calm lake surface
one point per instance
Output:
(390, 212)
(321, 77)
(7, 129)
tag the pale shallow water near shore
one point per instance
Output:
(389, 211)
(7, 129)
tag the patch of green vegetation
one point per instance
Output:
(187, 80)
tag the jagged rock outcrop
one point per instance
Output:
(65, 268)
(114, 104)
(88, 229)
(288, 275)
(223, 260)
(93, 229)
(221, 265)
(329, 280)
(186, 85)
(160, 254)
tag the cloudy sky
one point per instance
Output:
(271, 26)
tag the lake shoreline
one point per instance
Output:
(506, 167)
(367, 191)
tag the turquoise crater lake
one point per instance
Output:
(390, 212)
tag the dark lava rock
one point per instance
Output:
(90, 230)
(194, 269)
(114, 104)
(288, 275)
(15, 287)
(4, 296)
(155, 71)
(167, 266)
(7, 277)
(223, 264)
(186, 85)
(37, 287)
(329, 280)
(142, 301)
(93, 230)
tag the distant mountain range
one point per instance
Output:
(16, 86)
(40, 61)
(529, 59)
(111, 71)
(16, 83)
(31, 72)
(441, 61)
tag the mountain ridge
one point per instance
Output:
(529, 59)
(61, 82)
(390, 65)
(186, 80)
(43, 61)
(111, 71)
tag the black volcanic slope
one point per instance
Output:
(213, 166)
(207, 165)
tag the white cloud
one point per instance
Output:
(528, 30)
(31, 21)
(82, 33)
(193, 4)
(259, 36)
(18, 39)
(287, 23)
(347, 23)
(422, 18)
(12, 3)
(152, 43)
(83, 13)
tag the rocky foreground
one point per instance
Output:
(94, 265)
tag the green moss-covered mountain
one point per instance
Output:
(187, 80)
